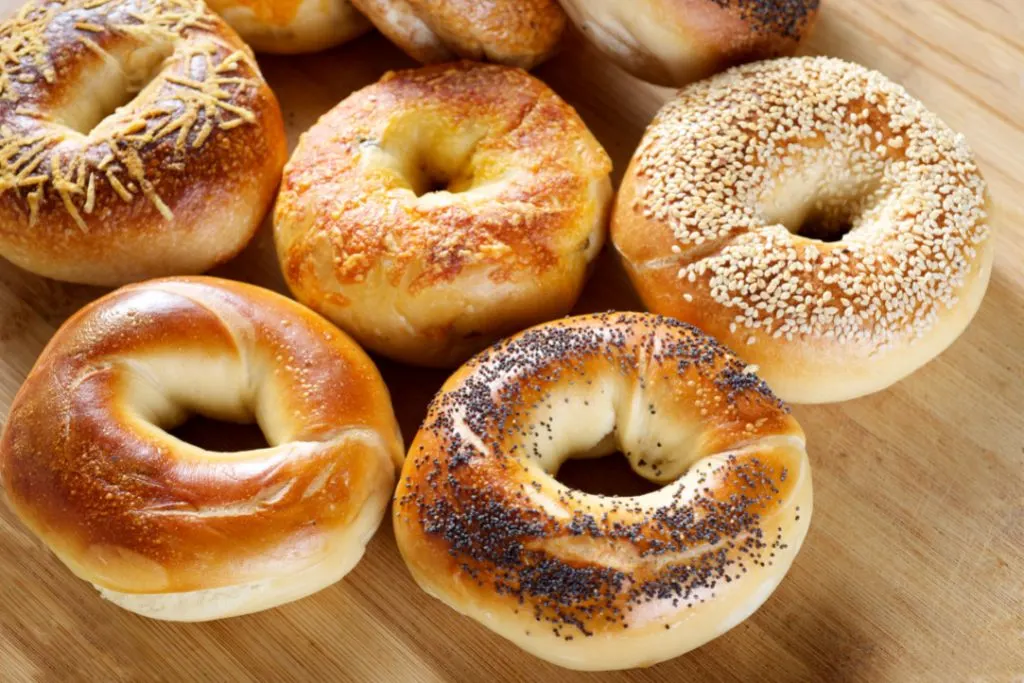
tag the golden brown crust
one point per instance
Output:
(175, 181)
(528, 193)
(87, 466)
(709, 215)
(521, 33)
(292, 26)
(591, 581)
(674, 42)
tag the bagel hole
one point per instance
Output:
(431, 153)
(430, 180)
(825, 223)
(220, 436)
(607, 475)
(115, 83)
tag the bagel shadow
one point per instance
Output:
(412, 389)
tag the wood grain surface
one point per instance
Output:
(914, 566)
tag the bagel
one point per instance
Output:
(519, 33)
(442, 208)
(813, 216)
(137, 138)
(292, 26)
(169, 530)
(675, 42)
(598, 582)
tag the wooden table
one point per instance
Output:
(914, 566)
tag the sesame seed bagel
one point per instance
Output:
(442, 208)
(173, 531)
(137, 138)
(813, 216)
(675, 42)
(292, 26)
(519, 33)
(597, 582)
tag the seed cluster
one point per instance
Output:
(725, 164)
(475, 491)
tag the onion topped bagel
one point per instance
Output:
(597, 582)
(675, 42)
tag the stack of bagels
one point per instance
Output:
(800, 229)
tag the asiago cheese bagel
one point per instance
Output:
(137, 139)
(442, 208)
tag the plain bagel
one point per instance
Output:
(597, 582)
(172, 531)
(813, 216)
(441, 208)
(137, 138)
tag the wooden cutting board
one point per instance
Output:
(914, 566)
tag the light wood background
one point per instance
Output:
(914, 566)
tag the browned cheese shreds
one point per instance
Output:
(206, 87)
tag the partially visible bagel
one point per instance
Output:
(675, 42)
(513, 32)
(292, 26)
